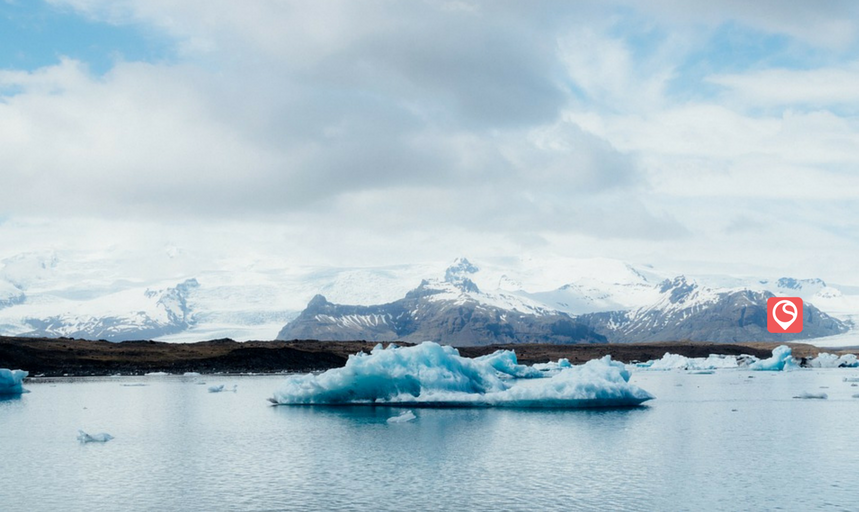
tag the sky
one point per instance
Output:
(709, 137)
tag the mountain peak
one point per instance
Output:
(457, 275)
(791, 283)
(680, 288)
(317, 301)
(460, 268)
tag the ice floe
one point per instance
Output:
(221, 388)
(11, 381)
(812, 396)
(403, 418)
(433, 375)
(102, 437)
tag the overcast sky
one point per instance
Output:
(716, 136)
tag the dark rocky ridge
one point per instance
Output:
(416, 318)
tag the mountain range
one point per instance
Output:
(464, 303)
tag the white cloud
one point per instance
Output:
(777, 87)
(424, 130)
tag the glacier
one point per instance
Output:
(432, 375)
(11, 380)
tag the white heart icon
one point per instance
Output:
(793, 314)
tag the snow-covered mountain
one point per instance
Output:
(451, 311)
(686, 310)
(114, 296)
(122, 316)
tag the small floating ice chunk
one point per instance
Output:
(102, 437)
(191, 374)
(403, 418)
(135, 385)
(156, 374)
(433, 375)
(812, 396)
(222, 388)
(850, 379)
(11, 380)
(781, 360)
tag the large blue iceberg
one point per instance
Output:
(10, 381)
(781, 360)
(431, 375)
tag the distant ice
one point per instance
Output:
(11, 380)
(156, 374)
(671, 361)
(781, 360)
(812, 396)
(191, 374)
(403, 418)
(433, 375)
(102, 437)
(221, 388)
(826, 360)
(134, 385)
(553, 366)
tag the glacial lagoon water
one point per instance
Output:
(731, 440)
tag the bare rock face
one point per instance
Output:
(687, 311)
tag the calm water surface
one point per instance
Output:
(708, 442)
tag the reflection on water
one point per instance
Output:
(708, 442)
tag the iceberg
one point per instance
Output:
(11, 380)
(431, 375)
(505, 363)
(781, 360)
(83, 437)
(671, 361)
(403, 418)
(826, 360)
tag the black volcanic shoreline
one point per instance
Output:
(57, 357)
